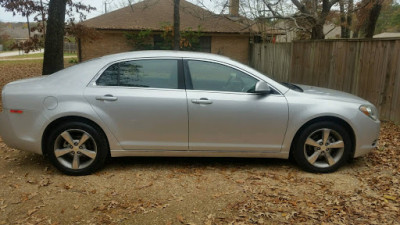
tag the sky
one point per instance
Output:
(8, 16)
(99, 4)
(114, 4)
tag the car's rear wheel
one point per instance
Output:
(77, 148)
(322, 147)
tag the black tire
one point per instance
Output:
(96, 144)
(303, 152)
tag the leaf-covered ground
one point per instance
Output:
(199, 190)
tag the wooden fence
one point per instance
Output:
(367, 68)
(70, 47)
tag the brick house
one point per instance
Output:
(221, 34)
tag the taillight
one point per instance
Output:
(16, 111)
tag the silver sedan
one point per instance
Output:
(166, 103)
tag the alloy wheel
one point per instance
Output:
(324, 148)
(75, 149)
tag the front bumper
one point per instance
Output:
(367, 134)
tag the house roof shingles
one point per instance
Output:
(152, 14)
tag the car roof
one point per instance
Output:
(165, 53)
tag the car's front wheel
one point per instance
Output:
(77, 148)
(322, 147)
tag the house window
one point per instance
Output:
(205, 44)
(160, 43)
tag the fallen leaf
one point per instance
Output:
(44, 182)
(68, 186)
(32, 211)
(14, 186)
(389, 197)
(180, 218)
(145, 186)
(163, 206)
(31, 181)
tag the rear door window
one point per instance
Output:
(152, 73)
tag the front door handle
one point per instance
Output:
(107, 98)
(202, 101)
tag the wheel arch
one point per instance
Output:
(66, 119)
(322, 119)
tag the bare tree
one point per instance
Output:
(264, 16)
(367, 14)
(316, 15)
(24, 7)
(306, 16)
(370, 23)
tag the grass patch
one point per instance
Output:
(35, 55)
(16, 62)
(31, 62)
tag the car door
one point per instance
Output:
(225, 115)
(143, 102)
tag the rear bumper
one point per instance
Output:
(6, 133)
(15, 136)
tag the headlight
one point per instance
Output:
(369, 111)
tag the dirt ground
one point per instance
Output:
(198, 190)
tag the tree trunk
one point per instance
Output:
(355, 33)
(349, 19)
(43, 18)
(29, 25)
(373, 17)
(177, 34)
(318, 32)
(54, 44)
(317, 20)
(342, 20)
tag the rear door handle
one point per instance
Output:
(107, 98)
(202, 101)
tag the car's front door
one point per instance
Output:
(143, 102)
(224, 114)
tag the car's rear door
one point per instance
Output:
(144, 103)
(225, 116)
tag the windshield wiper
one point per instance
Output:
(292, 86)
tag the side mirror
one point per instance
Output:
(262, 88)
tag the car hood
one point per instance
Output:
(329, 94)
